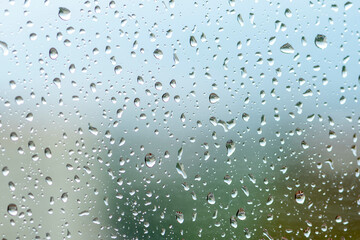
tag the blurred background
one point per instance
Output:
(241, 104)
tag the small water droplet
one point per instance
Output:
(213, 98)
(240, 214)
(227, 179)
(165, 97)
(342, 100)
(320, 41)
(48, 152)
(211, 198)
(270, 200)
(93, 130)
(137, 102)
(140, 80)
(11, 186)
(117, 69)
(181, 170)
(288, 13)
(193, 41)
(5, 171)
(245, 190)
(287, 48)
(64, 13)
(343, 72)
(240, 20)
(173, 83)
(245, 117)
(64, 197)
(158, 54)
(12, 209)
(348, 5)
(53, 53)
(12, 84)
(262, 142)
(180, 153)
(84, 213)
(49, 180)
(180, 217)
(29, 117)
(19, 100)
(4, 48)
(300, 197)
(233, 222)
(230, 146)
(150, 160)
(14, 136)
(338, 219)
(57, 82)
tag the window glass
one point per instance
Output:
(151, 119)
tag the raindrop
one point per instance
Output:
(193, 41)
(180, 153)
(53, 53)
(165, 97)
(240, 214)
(233, 222)
(234, 193)
(300, 197)
(227, 179)
(245, 117)
(213, 98)
(303, 41)
(93, 130)
(158, 54)
(173, 83)
(240, 20)
(48, 152)
(12, 209)
(12, 84)
(245, 190)
(230, 146)
(338, 219)
(150, 160)
(324, 227)
(342, 100)
(287, 48)
(288, 13)
(19, 100)
(181, 170)
(57, 82)
(304, 144)
(343, 72)
(348, 5)
(320, 41)
(29, 117)
(140, 80)
(84, 213)
(4, 48)
(93, 87)
(270, 200)
(262, 142)
(179, 217)
(137, 102)
(64, 13)
(117, 69)
(11, 186)
(64, 197)
(5, 171)
(14, 137)
(49, 180)
(211, 198)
